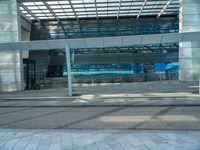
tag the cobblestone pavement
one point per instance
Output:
(15, 139)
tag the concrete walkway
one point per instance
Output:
(158, 93)
(102, 118)
(15, 139)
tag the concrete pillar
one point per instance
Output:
(189, 54)
(69, 75)
(25, 36)
(11, 66)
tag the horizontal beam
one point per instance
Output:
(121, 58)
(103, 42)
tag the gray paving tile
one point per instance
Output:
(9, 145)
(67, 147)
(98, 140)
(46, 147)
(31, 147)
(55, 147)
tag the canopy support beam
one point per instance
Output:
(69, 75)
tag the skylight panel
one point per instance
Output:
(111, 15)
(123, 14)
(80, 9)
(24, 12)
(43, 17)
(46, 11)
(90, 9)
(60, 14)
(82, 16)
(81, 13)
(52, 2)
(76, 1)
(39, 3)
(113, 0)
(89, 5)
(28, 15)
(66, 6)
(88, 1)
(58, 10)
(86, 8)
(169, 9)
(70, 14)
(102, 8)
(102, 5)
(112, 12)
(150, 3)
(63, 2)
(21, 8)
(62, 17)
(126, 4)
(28, 3)
(172, 6)
(146, 11)
(32, 7)
(38, 15)
(68, 10)
(110, 8)
(132, 14)
(102, 12)
(150, 7)
(55, 6)
(36, 11)
(133, 11)
(51, 17)
(113, 4)
(102, 1)
(42, 7)
(102, 15)
(91, 15)
(48, 15)
(124, 11)
(78, 6)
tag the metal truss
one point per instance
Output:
(86, 9)
(164, 8)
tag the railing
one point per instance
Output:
(61, 82)
(124, 78)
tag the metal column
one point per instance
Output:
(69, 76)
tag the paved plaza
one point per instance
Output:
(161, 93)
(102, 118)
(115, 117)
(12, 139)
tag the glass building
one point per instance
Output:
(74, 19)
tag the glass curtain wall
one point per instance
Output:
(115, 64)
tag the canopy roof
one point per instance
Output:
(77, 9)
(121, 41)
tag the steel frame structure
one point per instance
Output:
(77, 9)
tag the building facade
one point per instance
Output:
(69, 19)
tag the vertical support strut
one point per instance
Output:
(69, 76)
(199, 83)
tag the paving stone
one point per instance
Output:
(98, 140)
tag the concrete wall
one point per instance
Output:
(11, 69)
(189, 18)
(25, 36)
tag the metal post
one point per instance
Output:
(69, 76)
(199, 83)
